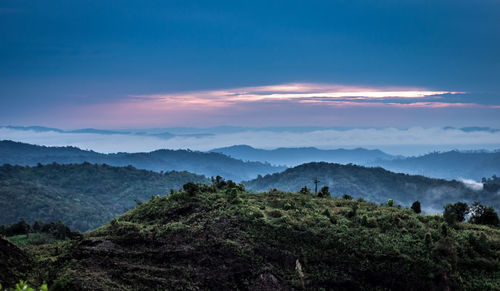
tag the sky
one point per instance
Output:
(154, 64)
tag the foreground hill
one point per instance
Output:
(221, 238)
(14, 263)
(374, 184)
(83, 196)
(297, 156)
(208, 164)
(448, 165)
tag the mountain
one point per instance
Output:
(297, 156)
(447, 165)
(221, 238)
(208, 164)
(374, 184)
(83, 196)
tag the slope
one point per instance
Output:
(374, 184)
(83, 196)
(225, 239)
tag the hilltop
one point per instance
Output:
(374, 184)
(208, 164)
(84, 196)
(220, 237)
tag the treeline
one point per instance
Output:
(491, 184)
(56, 229)
(83, 196)
(477, 213)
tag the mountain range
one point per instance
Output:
(446, 165)
(208, 164)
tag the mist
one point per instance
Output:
(411, 141)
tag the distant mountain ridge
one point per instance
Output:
(297, 156)
(208, 164)
(446, 165)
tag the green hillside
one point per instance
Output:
(83, 196)
(374, 184)
(221, 238)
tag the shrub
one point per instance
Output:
(481, 214)
(390, 202)
(324, 192)
(347, 197)
(416, 207)
(191, 188)
(305, 191)
(455, 212)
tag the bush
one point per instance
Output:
(416, 207)
(305, 191)
(324, 192)
(390, 202)
(191, 188)
(481, 214)
(454, 213)
(347, 197)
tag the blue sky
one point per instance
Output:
(125, 64)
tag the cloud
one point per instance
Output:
(291, 91)
(471, 184)
(415, 140)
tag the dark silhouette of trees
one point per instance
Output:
(324, 192)
(454, 213)
(305, 191)
(481, 214)
(416, 207)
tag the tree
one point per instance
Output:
(455, 212)
(37, 226)
(481, 214)
(347, 197)
(324, 192)
(305, 191)
(416, 207)
(390, 202)
(191, 188)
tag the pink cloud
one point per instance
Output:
(292, 91)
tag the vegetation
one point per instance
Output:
(479, 214)
(375, 184)
(22, 234)
(208, 164)
(83, 196)
(416, 207)
(220, 237)
(456, 212)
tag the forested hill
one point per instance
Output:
(374, 184)
(83, 196)
(208, 164)
(219, 237)
(297, 156)
(447, 165)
